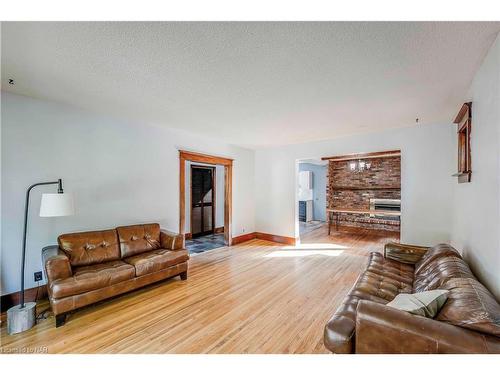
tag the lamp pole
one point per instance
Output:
(23, 316)
(26, 209)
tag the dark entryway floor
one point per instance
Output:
(201, 244)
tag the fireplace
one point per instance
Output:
(379, 204)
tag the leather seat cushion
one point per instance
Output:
(88, 248)
(87, 278)
(156, 260)
(382, 281)
(383, 287)
(136, 239)
(438, 272)
(439, 251)
(399, 271)
(471, 305)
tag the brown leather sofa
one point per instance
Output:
(469, 322)
(92, 266)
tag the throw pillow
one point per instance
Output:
(425, 304)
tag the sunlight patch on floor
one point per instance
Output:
(303, 253)
(315, 246)
(308, 249)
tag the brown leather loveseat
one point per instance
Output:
(91, 266)
(469, 321)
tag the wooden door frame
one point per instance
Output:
(213, 171)
(228, 185)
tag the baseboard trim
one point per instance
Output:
(264, 236)
(275, 238)
(189, 236)
(244, 238)
(12, 299)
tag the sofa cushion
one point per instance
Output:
(381, 282)
(425, 304)
(438, 272)
(383, 266)
(471, 305)
(435, 252)
(136, 239)
(87, 278)
(383, 288)
(156, 260)
(88, 248)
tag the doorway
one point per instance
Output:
(202, 201)
(311, 181)
(211, 201)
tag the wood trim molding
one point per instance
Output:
(264, 236)
(275, 238)
(189, 236)
(366, 155)
(464, 110)
(228, 184)
(203, 158)
(244, 238)
(228, 204)
(388, 188)
(464, 128)
(12, 299)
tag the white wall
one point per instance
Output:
(219, 195)
(120, 173)
(427, 162)
(476, 224)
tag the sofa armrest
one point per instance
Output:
(171, 241)
(383, 329)
(56, 264)
(402, 253)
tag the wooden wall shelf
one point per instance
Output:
(463, 176)
(464, 125)
(364, 212)
(367, 188)
(365, 155)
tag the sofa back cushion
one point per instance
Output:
(87, 248)
(471, 305)
(136, 239)
(439, 271)
(435, 252)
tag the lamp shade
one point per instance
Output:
(58, 204)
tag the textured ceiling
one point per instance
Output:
(251, 84)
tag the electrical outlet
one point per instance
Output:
(38, 276)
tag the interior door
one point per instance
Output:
(202, 200)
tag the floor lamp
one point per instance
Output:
(22, 317)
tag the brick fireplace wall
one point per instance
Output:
(353, 190)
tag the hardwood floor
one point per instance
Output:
(256, 297)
